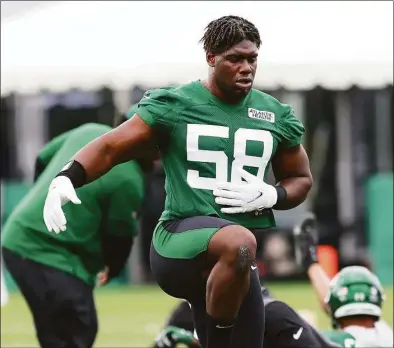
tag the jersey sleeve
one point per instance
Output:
(131, 111)
(160, 108)
(291, 129)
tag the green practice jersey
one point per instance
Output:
(109, 205)
(342, 338)
(203, 140)
(131, 111)
(133, 108)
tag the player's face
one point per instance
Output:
(234, 70)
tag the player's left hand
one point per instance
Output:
(254, 194)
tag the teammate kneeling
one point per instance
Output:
(353, 298)
(56, 273)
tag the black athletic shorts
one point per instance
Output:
(284, 328)
(178, 254)
(62, 305)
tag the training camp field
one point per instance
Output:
(132, 316)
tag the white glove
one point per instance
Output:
(61, 191)
(254, 194)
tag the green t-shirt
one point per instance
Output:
(133, 108)
(109, 205)
(340, 337)
(203, 140)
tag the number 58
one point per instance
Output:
(241, 136)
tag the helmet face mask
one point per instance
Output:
(354, 291)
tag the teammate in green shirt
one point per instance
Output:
(56, 273)
(216, 138)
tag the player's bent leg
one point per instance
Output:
(30, 280)
(62, 305)
(200, 321)
(234, 248)
(75, 305)
(250, 323)
(179, 259)
(228, 281)
(284, 328)
(249, 326)
(183, 251)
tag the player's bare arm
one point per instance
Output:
(133, 139)
(292, 172)
(305, 237)
(320, 283)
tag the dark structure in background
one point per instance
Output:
(320, 121)
(8, 167)
(66, 111)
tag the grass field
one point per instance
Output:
(132, 316)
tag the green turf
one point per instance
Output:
(132, 316)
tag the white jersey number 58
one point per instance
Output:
(241, 136)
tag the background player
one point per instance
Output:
(56, 273)
(206, 132)
(353, 298)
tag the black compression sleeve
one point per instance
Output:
(75, 172)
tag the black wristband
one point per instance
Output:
(282, 195)
(75, 172)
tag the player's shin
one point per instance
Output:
(225, 293)
(227, 286)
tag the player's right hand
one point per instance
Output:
(61, 191)
(103, 277)
(305, 238)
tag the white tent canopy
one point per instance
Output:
(90, 43)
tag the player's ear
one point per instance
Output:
(210, 59)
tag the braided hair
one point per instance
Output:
(223, 33)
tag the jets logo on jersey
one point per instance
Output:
(261, 115)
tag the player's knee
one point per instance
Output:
(241, 249)
(245, 258)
